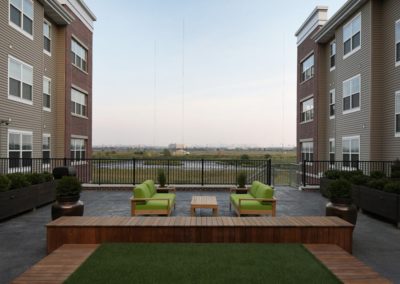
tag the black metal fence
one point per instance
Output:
(134, 171)
(312, 171)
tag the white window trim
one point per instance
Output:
(21, 132)
(396, 134)
(19, 29)
(334, 102)
(302, 141)
(46, 108)
(51, 28)
(86, 98)
(334, 148)
(352, 109)
(85, 139)
(344, 138)
(301, 110)
(13, 98)
(330, 56)
(44, 165)
(396, 63)
(357, 48)
(301, 65)
(74, 38)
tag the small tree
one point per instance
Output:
(242, 179)
(166, 153)
(161, 178)
(245, 157)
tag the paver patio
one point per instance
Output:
(23, 239)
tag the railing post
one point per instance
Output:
(304, 172)
(99, 167)
(269, 172)
(65, 162)
(134, 171)
(202, 172)
(168, 171)
(236, 171)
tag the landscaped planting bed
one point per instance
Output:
(202, 263)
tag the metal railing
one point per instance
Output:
(134, 171)
(312, 171)
(286, 174)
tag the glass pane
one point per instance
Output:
(346, 103)
(14, 159)
(356, 40)
(332, 110)
(356, 25)
(27, 75)
(346, 32)
(27, 25)
(78, 61)
(333, 61)
(355, 146)
(46, 143)
(46, 100)
(17, 4)
(346, 147)
(27, 92)
(15, 16)
(346, 89)
(26, 159)
(356, 100)
(398, 123)
(46, 30)
(15, 88)
(398, 52)
(47, 44)
(355, 85)
(398, 31)
(84, 110)
(14, 69)
(45, 86)
(28, 8)
(14, 141)
(72, 155)
(26, 142)
(84, 66)
(347, 46)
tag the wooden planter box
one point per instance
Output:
(17, 201)
(381, 203)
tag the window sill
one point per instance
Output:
(397, 64)
(79, 116)
(332, 69)
(332, 117)
(46, 52)
(19, 29)
(397, 135)
(305, 122)
(46, 109)
(351, 52)
(351, 110)
(303, 82)
(17, 99)
(80, 69)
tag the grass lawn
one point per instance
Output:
(202, 263)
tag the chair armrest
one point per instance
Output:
(148, 199)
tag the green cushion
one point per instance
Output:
(254, 187)
(264, 191)
(249, 204)
(151, 186)
(154, 205)
(236, 196)
(141, 191)
(165, 195)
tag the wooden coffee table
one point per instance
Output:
(204, 202)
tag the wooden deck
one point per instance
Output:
(97, 230)
(59, 265)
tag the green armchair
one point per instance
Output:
(259, 200)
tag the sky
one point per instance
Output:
(197, 72)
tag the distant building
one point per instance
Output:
(174, 147)
(180, 153)
(348, 83)
(45, 79)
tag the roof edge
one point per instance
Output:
(310, 17)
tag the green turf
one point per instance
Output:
(202, 263)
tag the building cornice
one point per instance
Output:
(56, 12)
(80, 10)
(318, 17)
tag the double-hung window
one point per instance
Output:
(332, 55)
(46, 94)
(352, 35)
(332, 151)
(307, 68)
(20, 80)
(307, 151)
(21, 16)
(78, 150)
(19, 149)
(79, 55)
(332, 98)
(47, 37)
(351, 151)
(78, 103)
(46, 148)
(307, 110)
(351, 94)
(397, 114)
(397, 42)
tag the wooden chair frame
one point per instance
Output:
(240, 212)
(136, 212)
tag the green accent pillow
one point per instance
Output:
(254, 188)
(151, 186)
(141, 191)
(265, 191)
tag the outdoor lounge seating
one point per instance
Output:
(146, 200)
(258, 201)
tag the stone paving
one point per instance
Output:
(23, 238)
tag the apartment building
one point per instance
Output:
(348, 83)
(45, 79)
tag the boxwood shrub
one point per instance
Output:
(5, 183)
(18, 180)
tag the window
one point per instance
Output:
(21, 15)
(78, 55)
(332, 55)
(20, 80)
(46, 94)
(332, 151)
(47, 37)
(351, 151)
(307, 68)
(332, 98)
(46, 148)
(78, 103)
(307, 150)
(351, 94)
(78, 149)
(352, 35)
(397, 114)
(397, 42)
(19, 149)
(307, 110)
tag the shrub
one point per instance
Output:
(35, 178)
(5, 183)
(359, 179)
(392, 187)
(377, 183)
(245, 157)
(68, 186)
(377, 175)
(350, 174)
(161, 178)
(242, 179)
(396, 169)
(47, 176)
(18, 180)
(332, 174)
(340, 188)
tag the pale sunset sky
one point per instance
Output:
(239, 78)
